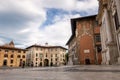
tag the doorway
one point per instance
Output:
(40, 63)
(87, 61)
(46, 62)
(5, 63)
(51, 64)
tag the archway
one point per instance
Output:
(87, 61)
(46, 62)
(5, 63)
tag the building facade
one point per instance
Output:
(11, 56)
(85, 43)
(72, 51)
(38, 55)
(109, 20)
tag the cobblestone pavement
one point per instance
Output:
(91, 72)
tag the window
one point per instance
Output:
(36, 59)
(41, 55)
(11, 61)
(12, 56)
(19, 51)
(5, 55)
(56, 59)
(63, 56)
(6, 51)
(36, 55)
(23, 56)
(46, 54)
(24, 51)
(40, 59)
(18, 56)
(55, 55)
(96, 23)
(116, 21)
(12, 51)
(97, 38)
(99, 48)
(51, 60)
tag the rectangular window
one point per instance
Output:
(36, 55)
(6, 51)
(12, 51)
(24, 51)
(56, 59)
(40, 59)
(55, 55)
(41, 55)
(46, 54)
(36, 59)
(99, 48)
(19, 51)
(116, 21)
(11, 61)
(97, 38)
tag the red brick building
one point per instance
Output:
(87, 44)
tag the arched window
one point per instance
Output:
(12, 56)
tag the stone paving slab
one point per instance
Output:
(60, 73)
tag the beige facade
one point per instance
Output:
(11, 56)
(38, 55)
(73, 58)
(110, 28)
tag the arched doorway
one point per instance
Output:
(5, 63)
(46, 62)
(87, 61)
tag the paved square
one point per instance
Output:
(62, 73)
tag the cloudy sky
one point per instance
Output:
(28, 22)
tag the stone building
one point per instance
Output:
(38, 55)
(85, 43)
(72, 51)
(109, 21)
(11, 56)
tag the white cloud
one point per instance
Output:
(25, 17)
(62, 4)
(59, 32)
